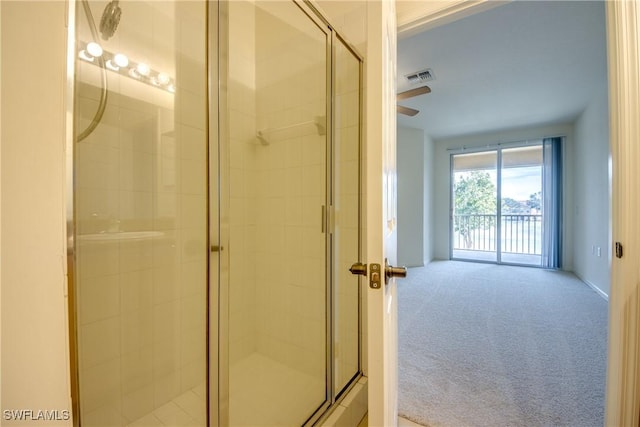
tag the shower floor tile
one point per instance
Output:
(186, 410)
(264, 392)
(148, 420)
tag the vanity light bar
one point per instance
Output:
(119, 63)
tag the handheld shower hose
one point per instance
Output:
(108, 24)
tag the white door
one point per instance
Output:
(380, 209)
(623, 379)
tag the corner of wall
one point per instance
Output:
(411, 172)
(591, 189)
(429, 185)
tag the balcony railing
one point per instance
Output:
(521, 234)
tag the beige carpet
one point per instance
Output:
(489, 345)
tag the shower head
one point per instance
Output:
(110, 19)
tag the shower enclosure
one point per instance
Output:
(216, 213)
(140, 215)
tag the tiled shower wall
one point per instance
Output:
(243, 185)
(140, 186)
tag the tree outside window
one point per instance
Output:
(475, 195)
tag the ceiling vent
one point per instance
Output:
(421, 76)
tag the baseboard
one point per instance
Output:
(594, 287)
(410, 265)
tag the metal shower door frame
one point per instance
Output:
(220, 132)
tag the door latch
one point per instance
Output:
(359, 269)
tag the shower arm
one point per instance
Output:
(103, 93)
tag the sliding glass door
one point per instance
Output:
(475, 211)
(521, 205)
(497, 205)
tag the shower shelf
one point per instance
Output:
(320, 122)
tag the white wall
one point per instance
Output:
(428, 200)
(415, 163)
(442, 181)
(591, 215)
(411, 183)
(33, 244)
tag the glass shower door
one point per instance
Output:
(346, 203)
(276, 291)
(140, 209)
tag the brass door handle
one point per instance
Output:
(360, 269)
(216, 248)
(391, 271)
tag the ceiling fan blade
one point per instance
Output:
(406, 110)
(413, 92)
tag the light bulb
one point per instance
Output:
(163, 79)
(121, 60)
(171, 88)
(143, 69)
(94, 49)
